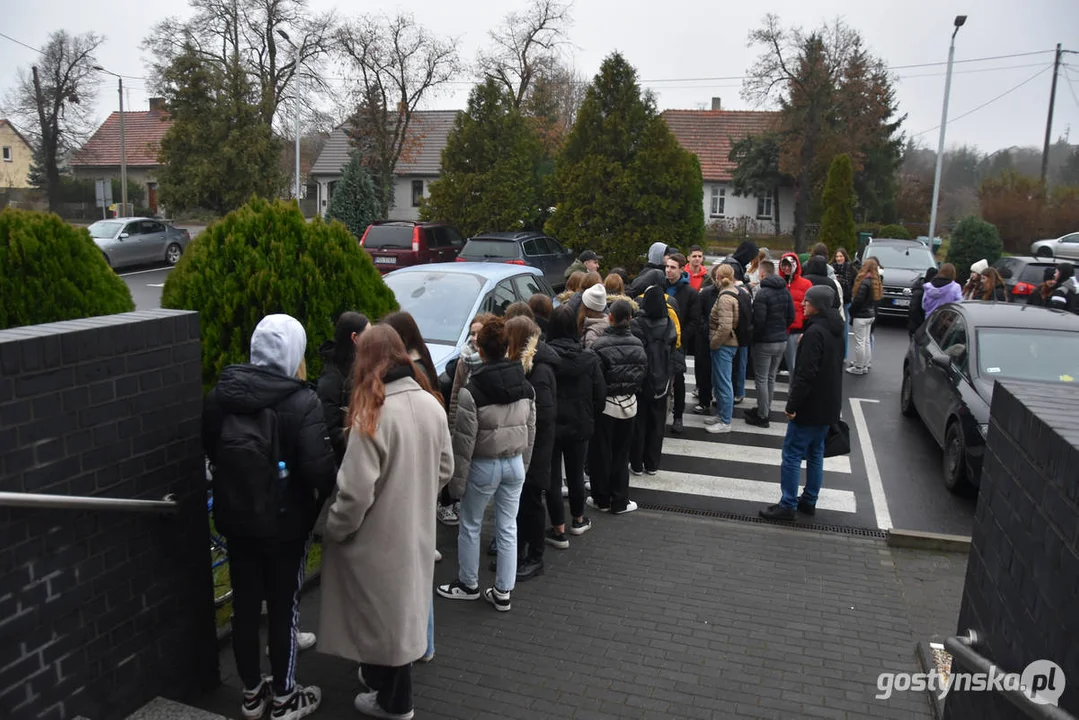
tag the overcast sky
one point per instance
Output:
(686, 41)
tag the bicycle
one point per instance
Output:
(219, 553)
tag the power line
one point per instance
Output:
(970, 60)
(20, 42)
(989, 102)
(1068, 77)
(967, 72)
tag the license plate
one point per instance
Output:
(901, 302)
(385, 260)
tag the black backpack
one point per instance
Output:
(743, 330)
(246, 484)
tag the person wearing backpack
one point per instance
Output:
(656, 330)
(773, 313)
(723, 341)
(744, 333)
(264, 431)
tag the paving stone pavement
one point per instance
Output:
(662, 615)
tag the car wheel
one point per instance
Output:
(955, 458)
(173, 253)
(1044, 252)
(906, 395)
(107, 261)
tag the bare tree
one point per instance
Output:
(397, 63)
(48, 103)
(553, 101)
(526, 45)
(255, 31)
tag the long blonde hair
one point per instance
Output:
(756, 263)
(872, 269)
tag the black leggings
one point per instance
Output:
(573, 449)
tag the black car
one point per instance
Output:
(901, 263)
(521, 248)
(1023, 275)
(957, 354)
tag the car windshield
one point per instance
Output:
(441, 302)
(387, 237)
(1034, 355)
(490, 249)
(901, 258)
(104, 229)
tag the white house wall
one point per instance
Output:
(737, 208)
(402, 196)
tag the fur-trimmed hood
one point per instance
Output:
(537, 351)
(611, 299)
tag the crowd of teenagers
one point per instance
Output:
(544, 404)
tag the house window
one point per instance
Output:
(417, 192)
(764, 206)
(7, 154)
(719, 201)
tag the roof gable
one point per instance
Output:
(427, 132)
(708, 134)
(15, 130)
(142, 140)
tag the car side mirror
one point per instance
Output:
(124, 235)
(942, 361)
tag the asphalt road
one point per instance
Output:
(146, 285)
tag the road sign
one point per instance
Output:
(103, 193)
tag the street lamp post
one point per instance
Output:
(123, 144)
(296, 99)
(959, 20)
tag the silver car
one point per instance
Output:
(1066, 246)
(139, 241)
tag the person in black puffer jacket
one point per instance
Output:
(863, 311)
(540, 365)
(916, 316)
(702, 355)
(263, 568)
(335, 382)
(773, 313)
(654, 271)
(656, 331)
(581, 394)
(624, 364)
(815, 271)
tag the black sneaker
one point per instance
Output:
(492, 549)
(256, 701)
(580, 527)
(804, 506)
(456, 591)
(528, 568)
(752, 418)
(301, 702)
(500, 600)
(556, 539)
(677, 427)
(778, 512)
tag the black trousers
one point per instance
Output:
(393, 685)
(574, 451)
(702, 373)
(267, 570)
(444, 497)
(609, 452)
(531, 520)
(648, 433)
(679, 395)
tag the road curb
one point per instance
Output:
(918, 540)
(925, 661)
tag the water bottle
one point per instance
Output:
(282, 475)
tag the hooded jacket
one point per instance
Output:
(622, 361)
(496, 418)
(652, 273)
(581, 389)
(592, 328)
(686, 307)
(270, 381)
(659, 336)
(797, 285)
(816, 272)
(939, 291)
(696, 279)
(723, 320)
(863, 305)
(333, 391)
(745, 253)
(470, 360)
(1065, 295)
(540, 364)
(773, 310)
(816, 390)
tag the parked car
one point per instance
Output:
(443, 299)
(924, 240)
(1065, 247)
(957, 354)
(396, 244)
(901, 263)
(138, 241)
(521, 248)
(1023, 275)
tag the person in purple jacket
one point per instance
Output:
(941, 289)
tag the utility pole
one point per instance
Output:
(123, 152)
(1049, 120)
(958, 23)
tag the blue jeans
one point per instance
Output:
(501, 479)
(431, 628)
(722, 385)
(802, 442)
(846, 330)
(740, 372)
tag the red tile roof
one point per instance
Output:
(708, 135)
(142, 138)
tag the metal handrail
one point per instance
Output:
(962, 648)
(167, 504)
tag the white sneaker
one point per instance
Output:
(565, 491)
(587, 484)
(447, 514)
(628, 509)
(438, 556)
(304, 641)
(718, 428)
(301, 702)
(367, 703)
(711, 420)
(256, 701)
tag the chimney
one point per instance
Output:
(716, 104)
(157, 104)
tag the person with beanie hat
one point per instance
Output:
(592, 317)
(814, 404)
(973, 289)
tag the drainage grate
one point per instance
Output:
(841, 529)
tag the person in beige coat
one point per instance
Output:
(377, 563)
(724, 346)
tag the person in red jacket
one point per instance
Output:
(696, 269)
(790, 269)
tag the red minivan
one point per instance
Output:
(394, 244)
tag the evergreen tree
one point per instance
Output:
(622, 181)
(757, 171)
(355, 200)
(837, 224)
(218, 151)
(491, 168)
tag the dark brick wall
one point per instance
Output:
(1022, 586)
(102, 611)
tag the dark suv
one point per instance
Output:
(396, 244)
(1023, 275)
(901, 263)
(521, 248)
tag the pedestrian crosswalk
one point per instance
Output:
(739, 472)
